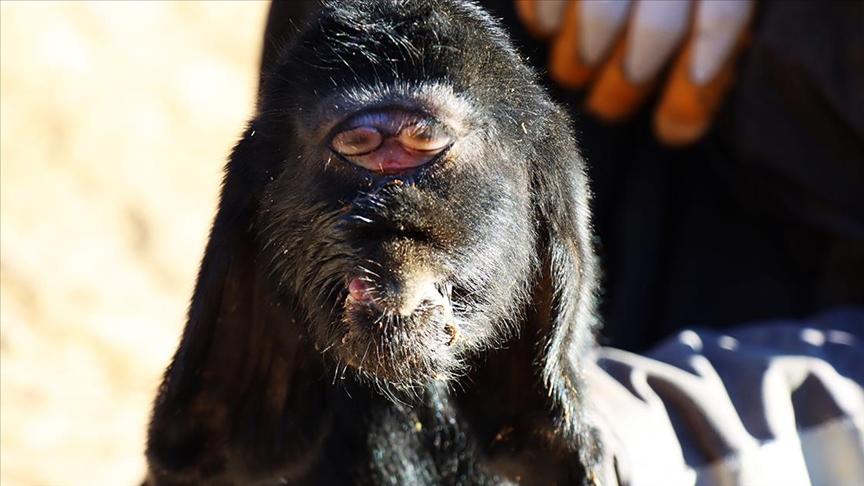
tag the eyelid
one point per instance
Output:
(425, 140)
(357, 141)
(390, 121)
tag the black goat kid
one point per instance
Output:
(399, 282)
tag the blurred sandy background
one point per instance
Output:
(116, 119)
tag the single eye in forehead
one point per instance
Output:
(357, 141)
(368, 134)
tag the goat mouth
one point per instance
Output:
(408, 341)
(414, 303)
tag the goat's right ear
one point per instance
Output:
(567, 287)
(229, 340)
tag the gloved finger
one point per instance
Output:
(654, 32)
(542, 18)
(585, 39)
(704, 71)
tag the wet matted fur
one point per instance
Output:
(284, 377)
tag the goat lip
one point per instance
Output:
(359, 290)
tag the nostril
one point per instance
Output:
(429, 306)
(453, 332)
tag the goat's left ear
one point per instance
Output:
(568, 284)
(228, 332)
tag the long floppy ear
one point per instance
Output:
(231, 348)
(567, 289)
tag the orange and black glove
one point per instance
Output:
(617, 49)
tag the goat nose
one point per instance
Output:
(403, 296)
(417, 293)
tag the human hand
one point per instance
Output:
(618, 48)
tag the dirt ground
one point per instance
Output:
(116, 119)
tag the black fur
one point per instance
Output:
(271, 383)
